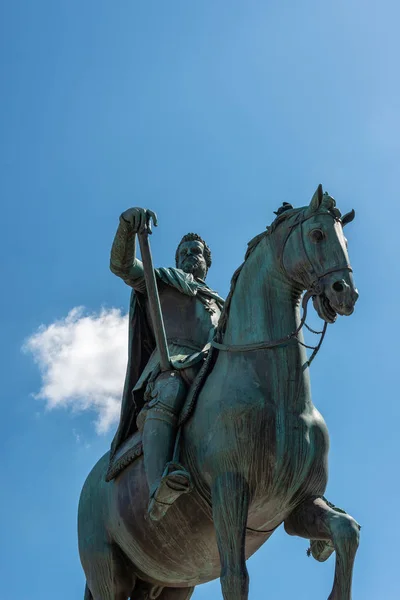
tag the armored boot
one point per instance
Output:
(167, 480)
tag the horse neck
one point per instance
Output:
(265, 307)
(265, 303)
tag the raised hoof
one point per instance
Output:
(321, 550)
(172, 485)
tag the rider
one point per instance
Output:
(191, 312)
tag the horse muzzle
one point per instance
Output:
(338, 297)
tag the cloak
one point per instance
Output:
(141, 344)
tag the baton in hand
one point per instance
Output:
(154, 301)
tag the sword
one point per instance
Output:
(154, 301)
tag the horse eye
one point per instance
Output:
(316, 236)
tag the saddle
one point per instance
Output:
(132, 448)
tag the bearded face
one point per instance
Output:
(191, 259)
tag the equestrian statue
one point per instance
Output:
(219, 442)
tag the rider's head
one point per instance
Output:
(193, 255)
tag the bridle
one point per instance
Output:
(315, 289)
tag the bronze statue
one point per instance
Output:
(251, 450)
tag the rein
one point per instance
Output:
(315, 289)
(281, 341)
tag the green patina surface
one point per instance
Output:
(255, 447)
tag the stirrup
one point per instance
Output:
(174, 482)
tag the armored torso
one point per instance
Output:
(187, 319)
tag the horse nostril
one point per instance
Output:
(338, 286)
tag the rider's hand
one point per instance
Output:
(140, 219)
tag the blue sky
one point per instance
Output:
(212, 114)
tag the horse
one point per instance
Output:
(255, 445)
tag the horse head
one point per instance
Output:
(314, 257)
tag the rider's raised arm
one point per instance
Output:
(123, 261)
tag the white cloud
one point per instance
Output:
(82, 360)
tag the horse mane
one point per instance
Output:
(285, 212)
(251, 246)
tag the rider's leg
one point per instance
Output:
(166, 481)
(158, 442)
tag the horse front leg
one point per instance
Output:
(315, 520)
(230, 501)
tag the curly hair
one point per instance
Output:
(194, 237)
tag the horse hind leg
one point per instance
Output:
(230, 502)
(109, 574)
(316, 520)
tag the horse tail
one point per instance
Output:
(88, 593)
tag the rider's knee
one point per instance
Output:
(165, 397)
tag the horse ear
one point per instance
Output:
(348, 217)
(316, 200)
